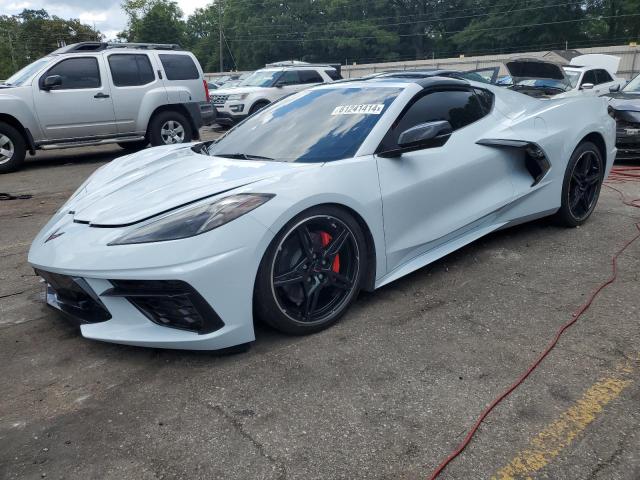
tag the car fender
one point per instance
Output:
(21, 111)
(151, 101)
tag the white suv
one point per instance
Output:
(267, 85)
(93, 93)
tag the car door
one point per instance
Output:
(605, 81)
(134, 82)
(432, 194)
(289, 82)
(589, 77)
(81, 105)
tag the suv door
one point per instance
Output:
(604, 81)
(182, 78)
(431, 194)
(289, 82)
(136, 90)
(81, 106)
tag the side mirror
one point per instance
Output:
(587, 86)
(423, 135)
(279, 84)
(614, 88)
(51, 82)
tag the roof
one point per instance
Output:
(101, 46)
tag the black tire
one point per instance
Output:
(257, 107)
(581, 186)
(133, 146)
(327, 285)
(13, 148)
(162, 119)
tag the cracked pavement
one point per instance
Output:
(386, 393)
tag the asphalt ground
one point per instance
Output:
(386, 393)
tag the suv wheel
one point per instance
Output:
(168, 128)
(12, 148)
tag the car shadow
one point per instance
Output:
(86, 155)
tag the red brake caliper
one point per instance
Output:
(325, 238)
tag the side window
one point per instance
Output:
(128, 70)
(459, 107)
(310, 76)
(179, 67)
(289, 77)
(589, 77)
(333, 74)
(603, 76)
(485, 98)
(76, 73)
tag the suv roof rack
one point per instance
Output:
(99, 46)
(297, 63)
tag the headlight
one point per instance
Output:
(238, 96)
(193, 220)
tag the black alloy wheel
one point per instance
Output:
(582, 185)
(311, 273)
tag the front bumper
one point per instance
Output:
(211, 275)
(628, 142)
(227, 118)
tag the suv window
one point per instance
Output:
(459, 107)
(333, 74)
(179, 67)
(603, 76)
(128, 70)
(589, 77)
(289, 77)
(310, 76)
(76, 73)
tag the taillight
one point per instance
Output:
(206, 90)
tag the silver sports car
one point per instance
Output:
(343, 187)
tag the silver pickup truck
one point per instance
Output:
(93, 93)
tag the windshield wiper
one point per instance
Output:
(241, 156)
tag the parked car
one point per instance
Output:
(266, 86)
(596, 77)
(340, 188)
(94, 93)
(625, 108)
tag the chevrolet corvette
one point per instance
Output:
(286, 218)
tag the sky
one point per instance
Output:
(106, 14)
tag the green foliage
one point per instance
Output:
(33, 34)
(261, 31)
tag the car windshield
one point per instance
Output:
(24, 74)
(633, 86)
(572, 76)
(264, 78)
(320, 125)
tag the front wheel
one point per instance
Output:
(581, 186)
(311, 272)
(168, 128)
(12, 148)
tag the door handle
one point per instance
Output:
(100, 95)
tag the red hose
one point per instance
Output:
(618, 175)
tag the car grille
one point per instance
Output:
(74, 297)
(170, 303)
(219, 99)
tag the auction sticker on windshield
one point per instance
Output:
(365, 108)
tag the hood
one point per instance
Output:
(237, 90)
(534, 69)
(139, 186)
(625, 101)
(611, 63)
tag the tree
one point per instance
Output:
(153, 21)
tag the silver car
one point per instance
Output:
(93, 93)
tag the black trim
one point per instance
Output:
(535, 160)
(74, 297)
(169, 303)
(31, 143)
(87, 139)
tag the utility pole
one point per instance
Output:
(220, 30)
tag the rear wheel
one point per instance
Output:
(311, 272)
(582, 184)
(168, 128)
(12, 148)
